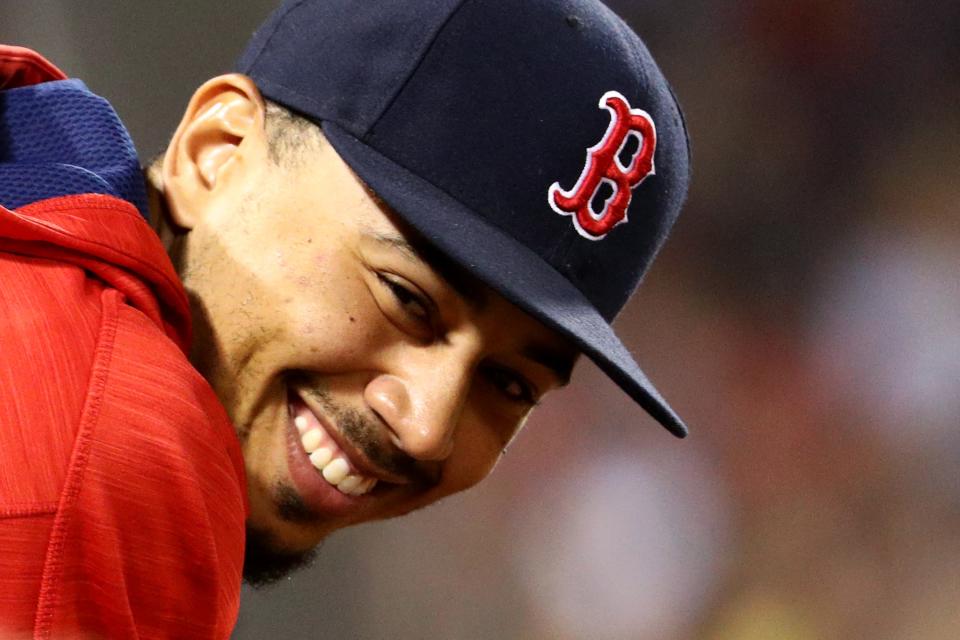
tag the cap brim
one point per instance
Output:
(506, 265)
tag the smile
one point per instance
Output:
(329, 460)
(326, 456)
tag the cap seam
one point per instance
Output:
(413, 70)
(273, 31)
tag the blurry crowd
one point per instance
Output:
(804, 319)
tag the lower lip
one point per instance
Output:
(319, 495)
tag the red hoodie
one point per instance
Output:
(122, 491)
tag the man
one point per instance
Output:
(397, 227)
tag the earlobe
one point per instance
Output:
(221, 131)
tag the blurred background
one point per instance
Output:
(804, 319)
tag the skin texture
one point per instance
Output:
(303, 285)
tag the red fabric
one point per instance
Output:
(21, 67)
(122, 491)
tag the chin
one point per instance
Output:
(267, 560)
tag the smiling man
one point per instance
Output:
(372, 251)
(367, 374)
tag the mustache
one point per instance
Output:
(365, 432)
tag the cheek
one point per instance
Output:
(476, 452)
(328, 315)
(480, 441)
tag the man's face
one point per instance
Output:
(364, 380)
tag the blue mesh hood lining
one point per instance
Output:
(58, 138)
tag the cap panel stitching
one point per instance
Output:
(430, 42)
(275, 27)
(426, 47)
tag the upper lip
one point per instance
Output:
(363, 464)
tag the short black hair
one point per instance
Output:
(289, 134)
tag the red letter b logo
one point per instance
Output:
(603, 166)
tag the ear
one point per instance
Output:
(220, 137)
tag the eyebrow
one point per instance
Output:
(559, 363)
(454, 275)
(469, 288)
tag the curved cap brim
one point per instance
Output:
(510, 268)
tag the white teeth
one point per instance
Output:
(311, 440)
(364, 487)
(336, 471)
(301, 424)
(327, 458)
(349, 484)
(321, 457)
(361, 487)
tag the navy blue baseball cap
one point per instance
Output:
(533, 142)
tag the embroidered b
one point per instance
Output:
(603, 165)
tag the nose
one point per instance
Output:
(422, 405)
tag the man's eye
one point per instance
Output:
(512, 385)
(409, 301)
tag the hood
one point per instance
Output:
(71, 189)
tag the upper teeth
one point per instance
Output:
(327, 457)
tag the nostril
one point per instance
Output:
(388, 428)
